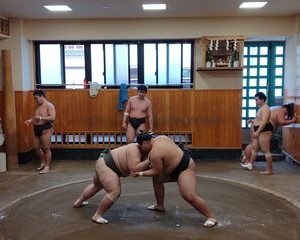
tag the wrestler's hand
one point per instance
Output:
(135, 174)
(255, 135)
(124, 126)
(28, 122)
(249, 121)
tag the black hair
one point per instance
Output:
(290, 110)
(39, 92)
(142, 88)
(143, 136)
(261, 96)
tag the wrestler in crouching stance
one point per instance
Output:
(110, 166)
(172, 163)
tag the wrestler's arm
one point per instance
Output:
(135, 164)
(127, 111)
(150, 117)
(51, 114)
(156, 164)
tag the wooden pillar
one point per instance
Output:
(10, 126)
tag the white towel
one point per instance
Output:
(94, 89)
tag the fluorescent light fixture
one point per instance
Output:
(253, 4)
(58, 8)
(160, 6)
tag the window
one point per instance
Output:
(155, 63)
(263, 72)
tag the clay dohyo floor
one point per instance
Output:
(243, 212)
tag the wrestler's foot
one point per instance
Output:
(247, 166)
(155, 207)
(99, 219)
(243, 159)
(45, 170)
(79, 204)
(267, 172)
(41, 167)
(210, 222)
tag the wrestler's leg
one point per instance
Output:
(264, 142)
(38, 151)
(88, 192)
(159, 191)
(112, 185)
(130, 133)
(187, 187)
(45, 140)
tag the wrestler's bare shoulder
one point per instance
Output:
(50, 105)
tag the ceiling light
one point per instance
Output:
(253, 4)
(58, 8)
(154, 6)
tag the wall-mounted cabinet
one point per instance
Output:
(221, 53)
(4, 28)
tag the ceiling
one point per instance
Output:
(33, 9)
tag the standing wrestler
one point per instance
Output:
(42, 121)
(172, 163)
(110, 167)
(262, 133)
(137, 110)
(279, 117)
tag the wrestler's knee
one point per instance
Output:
(189, 197)
(268, 154)
(45, 149)
(113, 195)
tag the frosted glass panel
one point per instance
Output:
(245, 50)
(263, 72)
(150, 63)
(50, 64)
(244, 103)
(278, 71)
(263, 50)
(243, 123)
(244, 82)
(278, 82)
(244, 92)
(243, 113)
(252, 82)
(122, 74)
(162, 63)
(253, 50)
(245, 63)
(279, 50)
(245, 72)
(279, 60)
(263, 82)
(97, 60)
(109, 64)
(252, 103)
(253, 61)
(278, 92)
(174, 63)
(252, 113)
(263, 61)
(253, 72)
(252, 92)
(74, 66)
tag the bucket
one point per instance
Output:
(2, 162)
